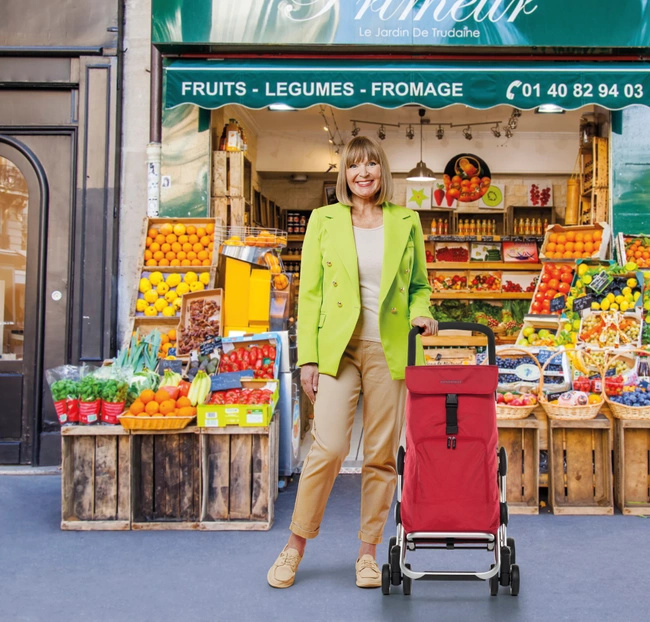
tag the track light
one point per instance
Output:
(327, 129)
(440, 132)
(467, 133)
(381, 132)
(410, 132)
(496, 131)
(355, 130)
(508, 132)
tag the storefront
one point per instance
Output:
(59, 137)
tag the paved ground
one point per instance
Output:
(573, 568)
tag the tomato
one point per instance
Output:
(235, 366)
(269, 374)
(539, 296)
(553, 283)
(253, 353)
(265, 351)
(564, 288)
(245, 357)
(566, 277)
(542, 287)
(550, 293)
(454, 193)
(272, 353)
(546, 277)
(565, 267)
(536, 306)
(546, 304)
(456, 179)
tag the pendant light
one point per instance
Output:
(421, 172)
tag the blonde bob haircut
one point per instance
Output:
(364, 149)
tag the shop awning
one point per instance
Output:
(346, 84)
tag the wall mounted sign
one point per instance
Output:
(492, 23)
(467, 177)
(213, 83)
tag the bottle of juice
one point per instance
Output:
(233, 136)
(440, 232)
(434, 227)
(527, 227)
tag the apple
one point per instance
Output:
(517, 402)
(508, 397)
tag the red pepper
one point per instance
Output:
(184, 388)
(258, 364)
(272, 353)
(245, 357)
(265, 351)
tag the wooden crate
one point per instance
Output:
(229, 211)
(166, 479)
(95, 478)
(240, 474)
(520, 439)
(632, 466)
(231, 175)
(580, 466)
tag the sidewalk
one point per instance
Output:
(573, 568)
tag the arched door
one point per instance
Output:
(23, 246)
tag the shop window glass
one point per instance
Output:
(13, 257)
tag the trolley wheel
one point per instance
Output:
(398, 514)
(504, 513)
(503, 462)
(506, 562)
(395, 572)
(514, 580)
(511, 546)
(385, 579)
(406, 583)
(400, 460)
(391, 543)
(494, 583)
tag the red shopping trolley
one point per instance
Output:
(451, 491)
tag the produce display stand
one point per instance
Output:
(520, 439)
(580, 466)
(631, 468)
(96, 478)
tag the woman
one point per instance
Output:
(363, 285)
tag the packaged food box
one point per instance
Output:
(579, 242)
(201, 319)
(484, 281)
(448, 281)
(634, 248)
(220, 415)
(160, 293)
(451, 252)
(553, 289)
(519, 281)
(486, 251)
(261, 352)
(520, 252)
(539, 331)
(607, 329)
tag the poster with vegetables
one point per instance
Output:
(467, 178)
(418, 196)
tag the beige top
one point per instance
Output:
(370, 253)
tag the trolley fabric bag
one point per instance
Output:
(450, 469)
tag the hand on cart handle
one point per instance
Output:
(309, 380)
(428, 325)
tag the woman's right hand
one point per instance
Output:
(309, 380)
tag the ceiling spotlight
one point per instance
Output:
(327, 129)
(410, 132)
(467, 133)
(440, 132)
(381, 132)
(355, 130)
(496, 131)
(508, 132)
(516, 113)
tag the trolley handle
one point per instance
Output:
(479, 328)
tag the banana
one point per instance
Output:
(200, 388)
(171, 379)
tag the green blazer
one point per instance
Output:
(329, 301)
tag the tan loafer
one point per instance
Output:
(283, 572)
(368, 573)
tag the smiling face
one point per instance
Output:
(364, 178)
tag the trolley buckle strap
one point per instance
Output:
(451, 407)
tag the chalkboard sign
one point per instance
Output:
(600, 282)
(230, 380)
(557, 303)
(580, 304)
(174, 365)
(209, 346)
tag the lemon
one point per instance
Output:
(595, 306)
(197, 286)
(646, 305)
(631, 283)
(169, 311)
(171, 295)
(173, 279)
(204, 277)
(156, 277)
(625, 305)
(613, 307)
(160, 304)
(190, 277)
(604, 305)
(576, 324)
(141, 305)
(626, 291)
(151, 311)
(636, 296)
(179, 229)
(620, 299)
(611, 297)
(151, 296)
(586, 279)
(182, 288)
(630, 266)
(178, 302)
(582, 269)
(144, 286)
(162, 288)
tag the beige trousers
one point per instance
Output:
(363, 367)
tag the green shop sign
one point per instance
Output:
(346, 84)
(492, 23)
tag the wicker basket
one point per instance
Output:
(505, 411)
(557, 411)
(622, 411)
(132, 422)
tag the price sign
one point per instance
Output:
(580, 304)
(600, 282)
(174, 365)
(230, 380)
(209, 346)
(557, 303)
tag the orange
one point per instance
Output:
(160, 238)
(163, 262)
(164, 338)
(186, 262)
(569, 246)
(177, 247)
(191, 255)
(165, 248)
(170, 255)
(202, 255)
(550, 246)
(561, 239)
(175, 262)
(153, 232)
(198, 247)
(137, 407)
(580, 237)
(193, 239)
(171, 333)
(598, 234)
(206, 262)
(571, 236)
(149, 241)
(187, 247)
(190, 229)
(211, 245)
(196, 262)
(588, 237)
(161, 396)
(577, 254)
(166, 229)
(151, 408)
(186, 411)
(165, 348)
(200, 231)
(181, 255)
(585, 255)
(183, 401)
(148, 255)
(167, 406)
(179, 228)
(579, 246)
(567, 255)
(209, 228)
(158, 255)
(210, 255)
(151, 262)
(560, 248)
(550, 254)
(552, 237)
(154, 247)
(171, 238)
(146, 396)
(205, 240)
(183, 239)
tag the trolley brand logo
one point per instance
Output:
(417, 10)
(451, 382)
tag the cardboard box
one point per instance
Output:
(451, 252)
(519, 281)
(481, 285)
(228, 344)
(614, 317)
(448, 280)
(621, 238)
(601, 253)
(243, 415)
(518, 252)
(185, 323)
(486, 251)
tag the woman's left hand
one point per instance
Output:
(429, 324)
